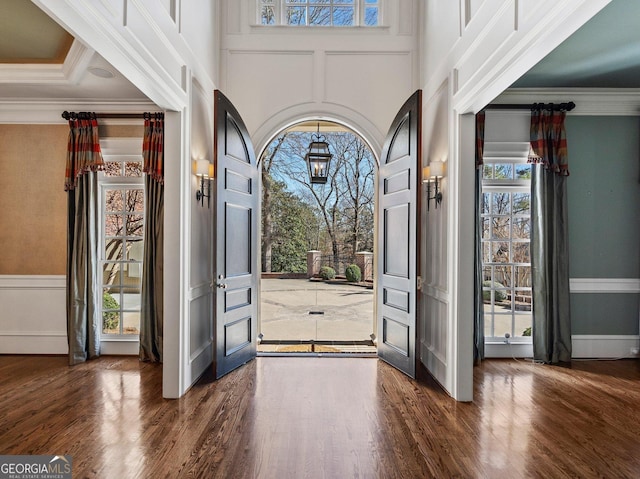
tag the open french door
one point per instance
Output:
(399, 183)
(236, 217)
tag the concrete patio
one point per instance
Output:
(294, 310)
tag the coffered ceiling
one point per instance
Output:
(40, 60)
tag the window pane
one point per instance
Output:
(113, 249)
(487, 275)
(523, 171)
(485, 203)
(522, 325)
(371, 16)
(502, 275)
(343, 1)
(487, 171)
(113, 200)
(500, 204)
(500, 252)
(486, 252)
(502, 324)
(131, 322)
(112, 168)
(522, 276)
(113, 225)
(503, 171)
(320, 16)
(296, 16)
(110, 321)
(521, 229)
(135, 225)
(500, 227)
(133, 168)
(485, 228)
(135, 250)
(343, 16)
(521, 203)
(521, 253)
(267, 16)
(135, 200)
(111, 275)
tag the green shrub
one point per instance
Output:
(486, 294)
(353, 273)
(527, 332)
(327, 272)
(110, 319)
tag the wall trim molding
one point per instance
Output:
(44, 112)
(589, 101)
(29, 282)
(604, 285)
(585, 346)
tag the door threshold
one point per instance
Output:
(282, 354)
(313, 348)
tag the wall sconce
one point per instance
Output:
(203, 170)
(430, 176)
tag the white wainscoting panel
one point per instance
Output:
(33, 315)
(604, 346)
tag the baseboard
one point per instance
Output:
(583, 347)
(604, 346)
(33, 342)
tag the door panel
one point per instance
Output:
(398, 212)
(236, 216)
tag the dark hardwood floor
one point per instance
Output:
(324, 418)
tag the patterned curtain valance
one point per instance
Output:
(153, 147)
(548, 141)
(83, 150)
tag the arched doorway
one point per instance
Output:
(317, 243)
(236, 239)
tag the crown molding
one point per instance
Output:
(29, 111)
(68, 72)
(589, 101)
(77, 61)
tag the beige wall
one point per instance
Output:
(33, 203)
(33, 211)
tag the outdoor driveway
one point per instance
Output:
(286, 304)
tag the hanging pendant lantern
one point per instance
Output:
(318, 158)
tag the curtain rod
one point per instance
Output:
(72, 115)
(531, 106)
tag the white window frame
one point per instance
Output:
(117, 150)
(507, 186)
(358, 14)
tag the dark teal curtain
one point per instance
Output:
(152, 292)
(549, 237)
(83, 291)
(478, 303)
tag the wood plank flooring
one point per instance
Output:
(324, 418)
